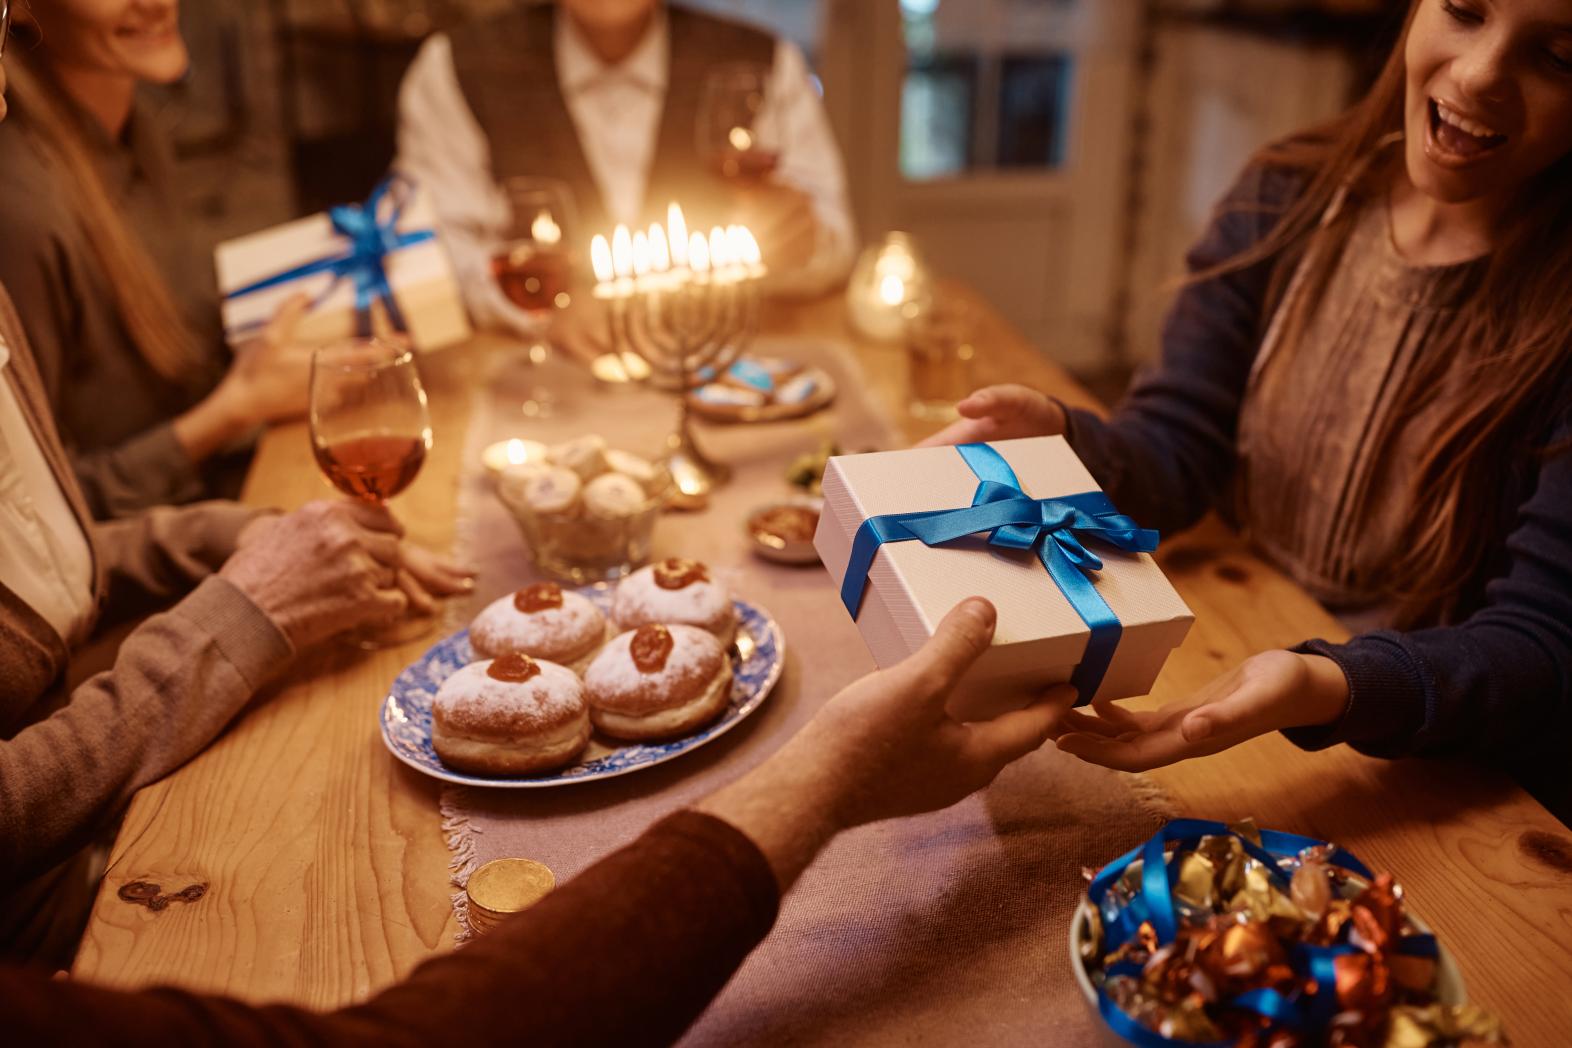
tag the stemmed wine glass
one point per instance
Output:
(370, 430)
(734, 137)
(533, 266)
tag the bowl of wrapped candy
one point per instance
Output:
(1217, 935)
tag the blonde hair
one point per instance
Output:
(142, 298)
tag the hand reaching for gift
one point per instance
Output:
(885, 747)
(1267, 692)
(1001, 413)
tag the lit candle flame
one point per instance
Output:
(600, 259)
(641, 254)
(734, 245)
(892, 290)
(750, 248)
(677, 234)
(698, 253)
(544, 230)
(622, 251)
(720, 254)
(741, 139)
(660, 254)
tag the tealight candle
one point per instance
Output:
(504, 453)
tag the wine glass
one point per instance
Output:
(735, 137)
(370, 431)
(533, 266)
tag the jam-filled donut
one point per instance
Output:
(658, 682)
(544, 621)
(675, 590)
(511, 715)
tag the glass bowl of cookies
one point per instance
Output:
(587, 511)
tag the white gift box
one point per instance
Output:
(420, 275)
(1040, 638)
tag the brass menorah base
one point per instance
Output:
(689, 335)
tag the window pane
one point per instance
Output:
(1033, 92)
(937, 103)
(987, 85)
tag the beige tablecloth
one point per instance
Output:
(944, 929)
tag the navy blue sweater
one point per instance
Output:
(1498, 682)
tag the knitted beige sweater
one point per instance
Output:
(70, 762)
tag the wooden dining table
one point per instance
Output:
(327, 875)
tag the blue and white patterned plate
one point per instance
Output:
(756, 661)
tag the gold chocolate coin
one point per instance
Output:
(504, 886)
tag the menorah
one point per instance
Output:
(682, 308)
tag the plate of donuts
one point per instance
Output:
(551, 686)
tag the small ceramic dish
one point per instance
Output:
(783, 531)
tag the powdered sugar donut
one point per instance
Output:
(509, 716)
(658, 682)
(543, 621)
(675, 590)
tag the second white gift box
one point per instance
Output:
(354, 263)
(1041, 638)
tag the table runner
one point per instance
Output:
(936, 929)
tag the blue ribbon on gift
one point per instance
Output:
(1053, 529)
(373, 234)
(1154, 904)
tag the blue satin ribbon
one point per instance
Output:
(1155, 904)
(372, 236)
(1051, 528)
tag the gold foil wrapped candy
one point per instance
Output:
(1247, 929)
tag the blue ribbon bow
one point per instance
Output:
(1154, 903)
(373, 234)
(1051, 528)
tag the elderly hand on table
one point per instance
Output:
(333, 566)
(1271, 691)
(885, 747)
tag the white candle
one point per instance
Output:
(660, 250)
(662, 278)
(720, 257)
(747, 252)
(699, 254)
(677, 233)
(600, 260)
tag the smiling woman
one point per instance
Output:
(1370, 369)
(124, 310)
(1488, 108)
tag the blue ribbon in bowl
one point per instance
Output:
(372, 234)
(1054, 529)
(1153, 904)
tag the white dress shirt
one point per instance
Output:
(44, 555)
(616, 110)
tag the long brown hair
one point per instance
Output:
(142, 298)
(1514, 325)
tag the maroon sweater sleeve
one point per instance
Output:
(631, 951)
